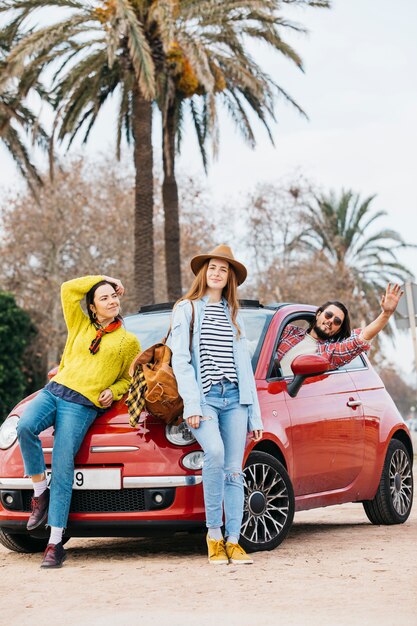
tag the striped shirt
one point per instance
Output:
(216, 347)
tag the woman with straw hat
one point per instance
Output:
(217, 386)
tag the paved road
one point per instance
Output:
(334, 568)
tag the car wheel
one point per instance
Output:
(21, 543)
(269, 503)
(394, 498)
(25, 544)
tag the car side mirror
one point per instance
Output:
(52, 372)
(303, 367)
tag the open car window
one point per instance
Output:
(358, 363)
(303, 321)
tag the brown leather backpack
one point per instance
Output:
(161, 393)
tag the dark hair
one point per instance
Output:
(344, 330)
(89, 299)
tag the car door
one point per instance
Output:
(375, 401)
(326, 432)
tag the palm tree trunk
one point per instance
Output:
(144, 235)
(171, 212)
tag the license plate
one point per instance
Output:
(110, 478)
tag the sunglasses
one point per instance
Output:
(336, 320)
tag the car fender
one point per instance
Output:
(271, 445)
(374, 463)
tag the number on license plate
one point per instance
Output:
(106, 478)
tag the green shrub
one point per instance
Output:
(16, 331)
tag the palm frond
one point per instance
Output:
(200, 126)
(140, 52)
(21, 157)
(43, 41)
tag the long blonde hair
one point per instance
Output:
(199, 286)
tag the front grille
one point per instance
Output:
(103, 501)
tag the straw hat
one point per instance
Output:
(224, 253)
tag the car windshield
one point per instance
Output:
(152, 327)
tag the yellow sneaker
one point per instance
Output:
(217, 552)
(237, 555)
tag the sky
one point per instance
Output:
(360, 93)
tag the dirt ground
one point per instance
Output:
(334, 568)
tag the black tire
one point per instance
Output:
(24, 544)
(21, 543)
(269, 503)
(394, 498)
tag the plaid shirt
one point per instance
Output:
(338, 352)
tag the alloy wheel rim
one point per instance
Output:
(266, 506)
(400, 482)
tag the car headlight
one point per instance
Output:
(8, 432)
(179, 435)
(193, 460)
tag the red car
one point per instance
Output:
(330, 437)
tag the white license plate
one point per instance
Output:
(107, 478)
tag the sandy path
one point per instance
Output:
(334, 568)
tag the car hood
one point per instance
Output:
(118, 414)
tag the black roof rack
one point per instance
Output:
(247, 304)
(160, 306)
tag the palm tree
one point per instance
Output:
(105, 46)
(206, 63)
(342, 232)
(91, 60)
(17, 120)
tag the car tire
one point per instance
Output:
(394, 498)
(269, 503)
(24, 544)
(21, 543)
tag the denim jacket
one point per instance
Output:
(187, 368)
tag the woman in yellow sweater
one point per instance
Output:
(94, 371)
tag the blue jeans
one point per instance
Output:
(71, 422)
(222, 436)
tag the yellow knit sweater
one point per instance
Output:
(87, 373)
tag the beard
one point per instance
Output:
(321, 334)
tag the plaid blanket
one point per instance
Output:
(136, 397)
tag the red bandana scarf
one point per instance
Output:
(95, 344)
